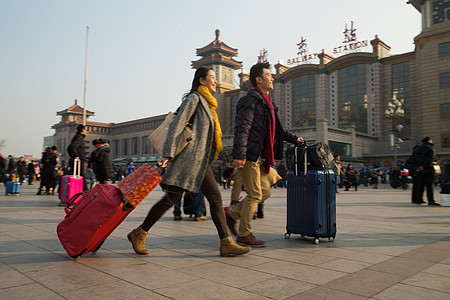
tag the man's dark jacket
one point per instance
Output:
(423, 156)
(251, 126)
(11, 165)
(2, 165)
(21, 167)
(101, 163)
(77, 147)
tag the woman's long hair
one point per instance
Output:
(201, 72)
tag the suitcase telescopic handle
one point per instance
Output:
(305, 158)
(77, 168)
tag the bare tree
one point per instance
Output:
(2, 144)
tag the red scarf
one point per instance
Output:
(270, 134)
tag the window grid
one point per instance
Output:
(304, 101)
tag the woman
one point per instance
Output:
(100, 162)
(181, 174)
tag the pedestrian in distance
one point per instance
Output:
(258, 140)
(194, 203)
(21, 167)
(101, 162)
(191, 169)
(30, 172)
(337, 169)
(374, 175)
(2, 169)
(130, 168)
(11, 168)
(76, 149)
(423, 158)
(350, 178)
(49, 163)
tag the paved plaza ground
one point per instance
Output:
(385, 248)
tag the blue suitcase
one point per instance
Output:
(12, 188)
(311, 204)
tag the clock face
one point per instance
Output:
(441, 11)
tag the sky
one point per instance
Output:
(140, 51)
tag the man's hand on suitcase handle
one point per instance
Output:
(300, 140)
(239, 163)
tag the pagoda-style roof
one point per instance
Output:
(217, 58)
(75, 110)
(416, 3)
(217, 46)
(217, 52)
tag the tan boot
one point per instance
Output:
(229, 248)
(137, 238)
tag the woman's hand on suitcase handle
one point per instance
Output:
(300, 140)
(162, 162)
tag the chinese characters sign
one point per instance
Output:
(262, 57)
(303, 54)
(350, 44)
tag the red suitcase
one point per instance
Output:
(99, 211)
(88, 223)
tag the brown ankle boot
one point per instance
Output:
(229, 248)
(137, 238)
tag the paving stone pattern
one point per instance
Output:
(385, 248)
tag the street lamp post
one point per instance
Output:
(395, 112)
(85, 75)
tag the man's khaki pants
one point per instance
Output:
(257, 186)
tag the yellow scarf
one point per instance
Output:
(212, 103)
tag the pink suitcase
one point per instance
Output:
(71, 185)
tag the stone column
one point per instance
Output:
(322, 130)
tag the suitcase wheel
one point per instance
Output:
(96, 249)
(316, 241)
(287, 235)
(331, 239)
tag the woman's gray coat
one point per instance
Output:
(187, 170)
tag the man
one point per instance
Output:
(2, 169)
(258, 141)
(234, 211)
(11, 167)
(423, 157)
(21, 167)
(76, 150)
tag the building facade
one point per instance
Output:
(344, 101)
(127, 139)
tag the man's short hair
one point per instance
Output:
(426, 139)
(257, 71)
(80, 128)
(54, 148)
(227, 172)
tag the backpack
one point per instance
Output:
(410, 163)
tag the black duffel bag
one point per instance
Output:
(318, 157)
